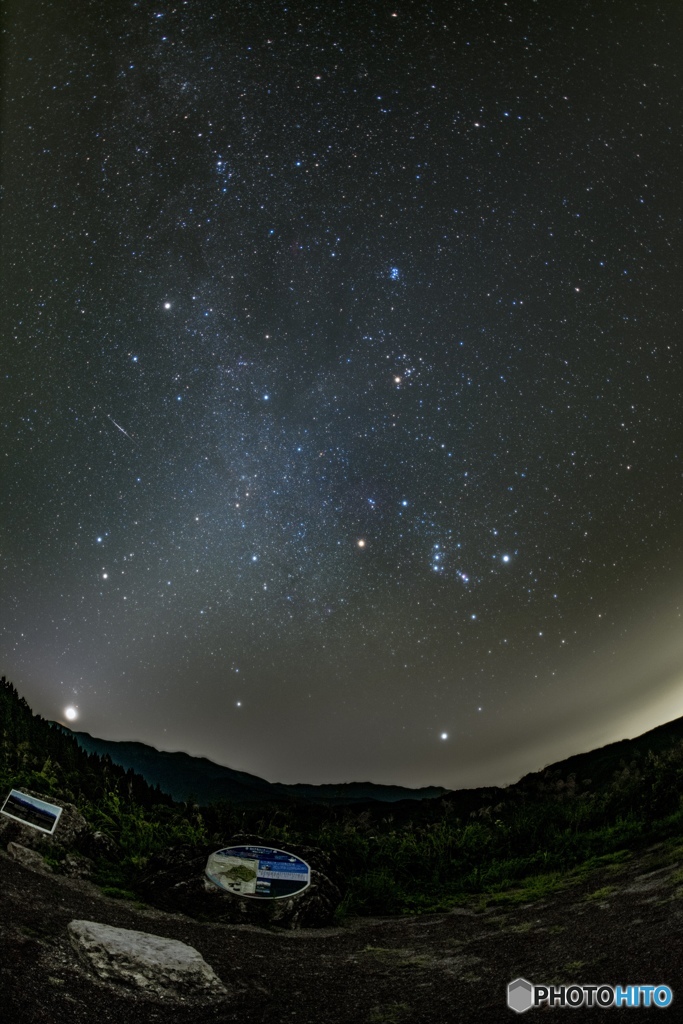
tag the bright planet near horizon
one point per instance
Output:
(342, 380)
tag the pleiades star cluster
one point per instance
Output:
(342, 379)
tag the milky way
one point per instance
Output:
(342, 429)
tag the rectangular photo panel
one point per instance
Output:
(29, 810)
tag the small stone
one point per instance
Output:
(147, 965)
(77, 866)
(30, 859)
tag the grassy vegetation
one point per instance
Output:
(405, 859)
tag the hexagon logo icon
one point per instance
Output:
(520, 995)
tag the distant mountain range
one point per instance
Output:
(185, 777)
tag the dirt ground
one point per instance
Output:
(623, 925)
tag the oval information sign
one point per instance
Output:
(258, 871)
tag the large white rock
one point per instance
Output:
(147, 965)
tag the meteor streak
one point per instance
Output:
(118, 425)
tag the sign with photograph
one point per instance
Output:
(29, 810)
(258, 871)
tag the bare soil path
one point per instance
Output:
(623, 925)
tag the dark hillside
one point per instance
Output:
(38, 753)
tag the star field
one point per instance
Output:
(342, 406)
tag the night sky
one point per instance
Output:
(342, 379)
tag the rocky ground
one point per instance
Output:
(622, 924)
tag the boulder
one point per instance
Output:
(177, 883)
(30, 859)
(145, 965)
(101, 845)
(75, 865)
